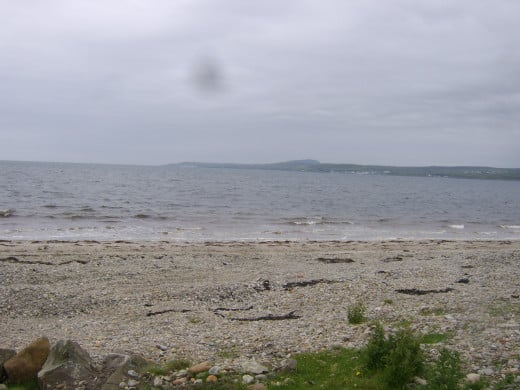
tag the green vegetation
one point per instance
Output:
(178, 364)
(398, 358)
(434, 338)
(469, 172)
(447, 372)
(507, 383)
(27, 386)
(229, 352)
(356, 314)
(504, 310)
(173, 365)
(195, 320)
(386, 362)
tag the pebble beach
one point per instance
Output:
(229, 301)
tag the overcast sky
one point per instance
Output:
(400, 82)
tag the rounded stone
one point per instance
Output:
(201, 367)
(247, 379)
(133, 374)
(473, 378)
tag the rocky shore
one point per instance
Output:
(230, 303)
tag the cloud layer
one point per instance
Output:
(150, 82)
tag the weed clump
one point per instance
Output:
(356, 314)
(398, 357)
(446, 373)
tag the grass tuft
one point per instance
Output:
(356, 314)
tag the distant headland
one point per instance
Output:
(460, 172)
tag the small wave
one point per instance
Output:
(303, 222)
(456, 226)
(6, 213)
(487, 233)
(77, 216)
(318, 221)
(187, 228)
(151, 217)
(50, 206)
(510, 226)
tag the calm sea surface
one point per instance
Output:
(107, 202)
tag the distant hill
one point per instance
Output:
(461, 172)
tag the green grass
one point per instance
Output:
(33, 385)
(230, 352)
(434, 338)
(507, 383)
(356, 314)
(386, 362)
(173, 365)
(178, 364)
(446, 373)
(337, 369)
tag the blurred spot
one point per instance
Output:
(207, 75)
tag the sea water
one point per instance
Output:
(179, 203)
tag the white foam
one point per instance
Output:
(456, 226)
(510, 226)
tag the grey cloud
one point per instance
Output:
(397, 82)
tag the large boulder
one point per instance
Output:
(67, 365)
(120, 367)
(24, 366)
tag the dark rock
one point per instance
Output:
(5, 355)
(24, 366)
(66, 365)
(463, 280)
(262, 285)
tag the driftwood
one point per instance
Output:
(334, 260)
(270, 317)
(414, 291)
(392, 259)
(230, 309)
(218, 309)
(154, 313)
(12, 259)
(305, 283)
